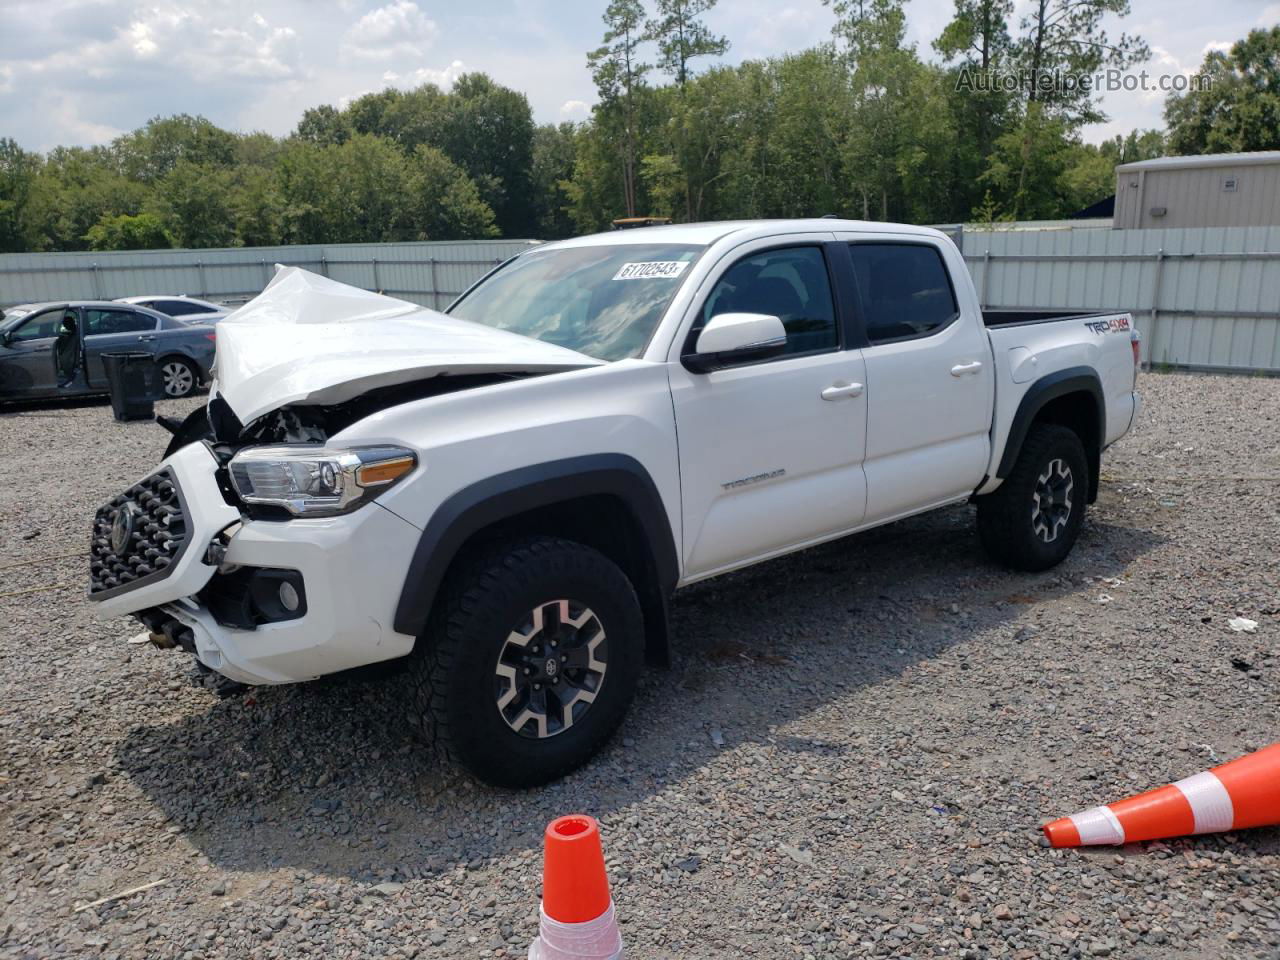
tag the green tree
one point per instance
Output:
(18, 171)
(554, 151)
(142, 232)
(489, 133)
(618, 73)
(193, 201)
(1064, 39)
(149, 153)
(1238, 108)
(977, 41)
(445, 203)
(325, 125)
(681, 36)
(73, 189)
(868, 27)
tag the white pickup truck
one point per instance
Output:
(505, 495)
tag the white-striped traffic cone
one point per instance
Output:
(577, 920)
(1240, 794)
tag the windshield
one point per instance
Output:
(12, 315)
(602, 301)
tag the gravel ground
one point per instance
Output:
(850, 757)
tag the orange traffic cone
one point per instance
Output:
(1242, 793)
(577, 920)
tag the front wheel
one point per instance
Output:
(179, 377)
(530, 661)
(1032, 520)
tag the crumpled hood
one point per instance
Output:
(309, 339)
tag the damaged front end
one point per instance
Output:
(201, 551)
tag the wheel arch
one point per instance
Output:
(1072, 398)
(606, 501)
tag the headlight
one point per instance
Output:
(311, 481)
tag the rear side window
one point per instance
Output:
(904, 288)
(117, 321)
(179, 308)
(791, 284)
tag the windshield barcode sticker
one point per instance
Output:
(650, 269)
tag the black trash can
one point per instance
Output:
(134, 382)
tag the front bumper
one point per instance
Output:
(352, 568)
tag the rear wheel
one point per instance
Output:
(178, 376)
(530, 661)
(1032, 521)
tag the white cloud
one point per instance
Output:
(441, 78)
(398, 29)
(1221, 45)
(574, 110)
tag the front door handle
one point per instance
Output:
(838, 391)
(960, 369)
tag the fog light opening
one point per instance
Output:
(289, 598)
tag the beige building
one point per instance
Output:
(1217, 190)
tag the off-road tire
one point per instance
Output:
(452, 671)
(1007, 517)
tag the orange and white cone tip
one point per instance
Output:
(1237, 795)
(577, 920)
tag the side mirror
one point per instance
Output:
(6, 338)
(734, 338)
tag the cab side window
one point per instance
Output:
(904, 289)
(790, 284)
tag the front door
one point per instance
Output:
(930, 386)
(27, 363)
(770, 452)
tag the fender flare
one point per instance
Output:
(507, 495)
(1042, 392)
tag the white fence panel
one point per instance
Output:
(430, 273)
(1204, 298)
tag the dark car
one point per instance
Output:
(55, 349)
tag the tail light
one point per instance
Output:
(1135, 341)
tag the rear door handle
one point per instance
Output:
(152, 336)
(960, 369)
(838, 391)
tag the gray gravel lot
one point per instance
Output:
(850, 757)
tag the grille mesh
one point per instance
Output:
(159, 535)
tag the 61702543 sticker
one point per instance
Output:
(651, 270)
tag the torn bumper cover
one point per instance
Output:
(335, 566)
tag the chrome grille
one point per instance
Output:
(143, 546)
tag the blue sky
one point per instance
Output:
(82, 71)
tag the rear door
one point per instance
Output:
(27, 367)
(111, 329)
(930, 383)
(767, 463)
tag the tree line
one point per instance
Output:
(860, 126)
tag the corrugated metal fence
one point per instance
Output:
(1204, 299)
(430, 273)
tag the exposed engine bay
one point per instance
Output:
(216, 424)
